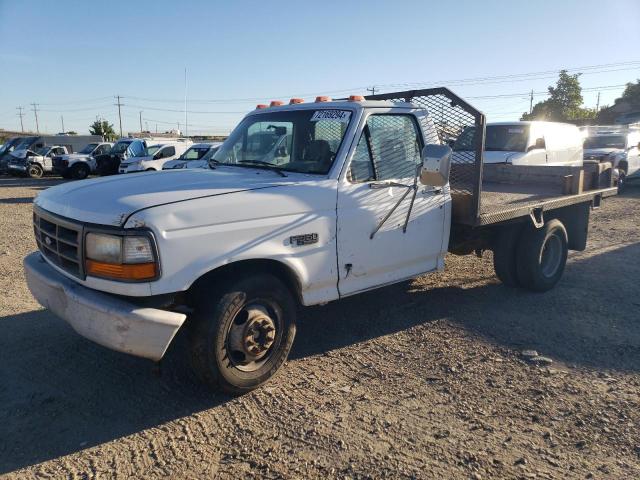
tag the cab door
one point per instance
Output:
(390, 227)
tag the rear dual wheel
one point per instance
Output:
(532, 258)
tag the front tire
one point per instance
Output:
(35, 171)
(240, 336)
(80, 171)
(542, 256)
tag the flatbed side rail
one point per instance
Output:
(451, 116)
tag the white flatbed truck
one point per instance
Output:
(363, 193)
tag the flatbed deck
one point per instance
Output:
(501, 202)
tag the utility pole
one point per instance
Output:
(62, 120)
(119, 113)
(20, 114)
(372, 90)
(186, 126)
(598, 103)
(531, 103)
(35, 112)
(140, 122)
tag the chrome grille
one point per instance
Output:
(60, 241)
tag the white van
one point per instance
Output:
(527, 143)
(196, 156)
(154, 157)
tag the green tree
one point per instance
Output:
(629, 102)
(564, 102)
(103, 128)
(72, 132)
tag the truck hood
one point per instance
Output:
(111, 200)
(75, 156)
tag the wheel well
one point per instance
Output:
(248, 267)
(623, 165)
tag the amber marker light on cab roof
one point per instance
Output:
(323, 98)
(356, 98)
(294, 101)
(261, 106)
(276, 103)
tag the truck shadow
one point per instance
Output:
(61, 394)
(590, 319)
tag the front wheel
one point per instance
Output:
(80, 171)
(240, 336)
(35, 171)
(542, 256)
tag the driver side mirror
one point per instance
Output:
(539, 145)
(436, 165)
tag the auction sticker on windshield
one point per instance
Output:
(341, 116)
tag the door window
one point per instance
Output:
(168, 152)
(389, 148)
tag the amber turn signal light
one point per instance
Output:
(133, 271)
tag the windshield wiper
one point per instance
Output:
(263, 165)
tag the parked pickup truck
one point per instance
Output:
(35, 163)
(368, 196)
(79, 165)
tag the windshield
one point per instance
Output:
(606, 141)
(304, 141)
(89, 148)
(120, 147)
(212, 151)
(149, 151)
(42, 151)
(195, 153)
(501, 138)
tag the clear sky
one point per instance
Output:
(72, 57)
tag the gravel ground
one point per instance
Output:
(419, 380)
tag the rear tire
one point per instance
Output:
(504, 255)
(542, 256)
(35, 171)
(241, 335)
(80, 171)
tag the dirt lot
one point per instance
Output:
(421, 380)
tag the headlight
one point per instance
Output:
(126, 257)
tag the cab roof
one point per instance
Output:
(336, 105)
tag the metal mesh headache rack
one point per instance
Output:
(484, 194)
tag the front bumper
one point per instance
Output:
(106, 319)
(130, 168)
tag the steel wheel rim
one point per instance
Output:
(253, 335)
(551, 256)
